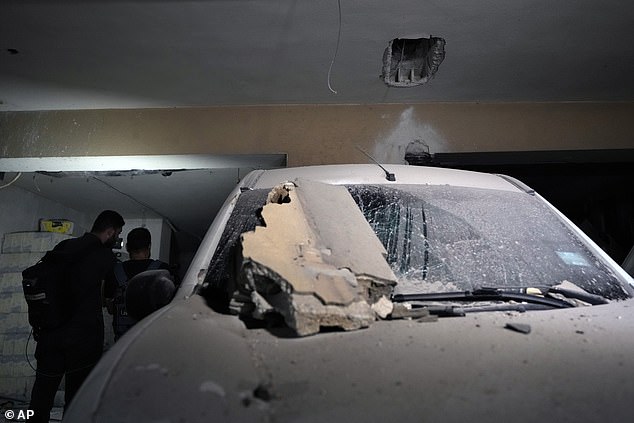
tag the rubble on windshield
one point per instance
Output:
(317, 262)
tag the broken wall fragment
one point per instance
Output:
(317, 262)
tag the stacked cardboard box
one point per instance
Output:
(19, 251)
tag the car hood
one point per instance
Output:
(187, 363)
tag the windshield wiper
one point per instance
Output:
(483, 294)
(584, 296)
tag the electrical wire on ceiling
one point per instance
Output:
(12, 181)
(142, 204)
(35, 183)
(334, 57)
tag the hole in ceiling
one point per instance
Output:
(12, 51)
(408, 62)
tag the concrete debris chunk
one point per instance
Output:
(401, 311)
(383, 307)
(519, 327)
(341, 226)
(279, 194)
(317, 262)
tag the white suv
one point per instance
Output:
(361, 293)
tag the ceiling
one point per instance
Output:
(93, 54)
(198, 193)
(185, 191)
(112, 54)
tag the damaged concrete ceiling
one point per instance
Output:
(160, 53)
(198, 184)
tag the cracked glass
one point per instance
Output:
(446, 238)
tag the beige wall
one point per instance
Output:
(316, 134)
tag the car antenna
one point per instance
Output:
(388, 175)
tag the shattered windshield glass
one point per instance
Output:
(446, 238)
(221, 275)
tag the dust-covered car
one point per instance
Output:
(361, 293)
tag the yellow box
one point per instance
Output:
(61, 226)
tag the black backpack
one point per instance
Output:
(47, 291)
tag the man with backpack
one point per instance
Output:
(138, 245)
(72, 345)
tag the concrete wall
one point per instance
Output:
(21, 211)
(317, 134)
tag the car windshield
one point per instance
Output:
(447, 238)
(443, 238)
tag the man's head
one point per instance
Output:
(107, 227)
(138, 243)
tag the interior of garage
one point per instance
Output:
(538, 92)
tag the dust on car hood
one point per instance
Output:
(573, 365)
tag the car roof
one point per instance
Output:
(373, 174)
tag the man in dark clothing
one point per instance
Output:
(73, 348)
(138, 244)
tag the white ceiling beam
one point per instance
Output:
(151, 162)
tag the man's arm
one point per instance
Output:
(108, 292)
